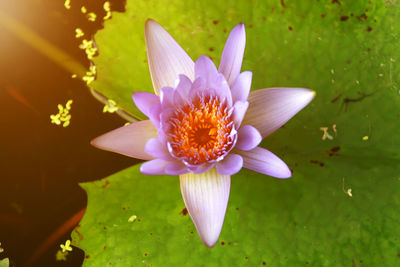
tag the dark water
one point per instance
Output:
(41, 163)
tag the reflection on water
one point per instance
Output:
(42, 162)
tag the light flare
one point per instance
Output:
(40, 44)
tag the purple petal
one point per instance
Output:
(161, 135)
(157, 149)
(239, 111)
(248, 138)
(198, 85)
(270, 108)
(176, 168)
(205, 68)
(167, 97)
(154, 167)
(201, 168)
(264, 161)
(154, 115)
(232, 56)
(166, 58)
(182, 90)
(128, 140)
(214, 81)
(144, 101)
(231, 164)
(222, 88)
(206, 197)
(241, 87)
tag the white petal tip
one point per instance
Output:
(285, 174)
(93, 142)
(151, 24)
(271, 108)
(206, 197)
(150, 21)
(312, 94)
(306, 94)
(165, 57)
(210, 238)
(99, 143)
(306, 97)
(239, 27)
(263, 161)
(210, 243)
(280, 169)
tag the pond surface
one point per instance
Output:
(42, 163)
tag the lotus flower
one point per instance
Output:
(204, 124)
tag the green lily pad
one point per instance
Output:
(4, 262)
(340, 208)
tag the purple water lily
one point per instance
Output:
(204, 124)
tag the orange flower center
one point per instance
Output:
(201, 131)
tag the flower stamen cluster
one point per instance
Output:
(201, 131)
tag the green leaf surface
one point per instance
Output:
(348, 52)
(4, 262)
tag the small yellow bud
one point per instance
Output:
(132, 218)
(67, 246)
(79, 33)
(67, 4)
(91, 16)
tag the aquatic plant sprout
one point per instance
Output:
(204, 124)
